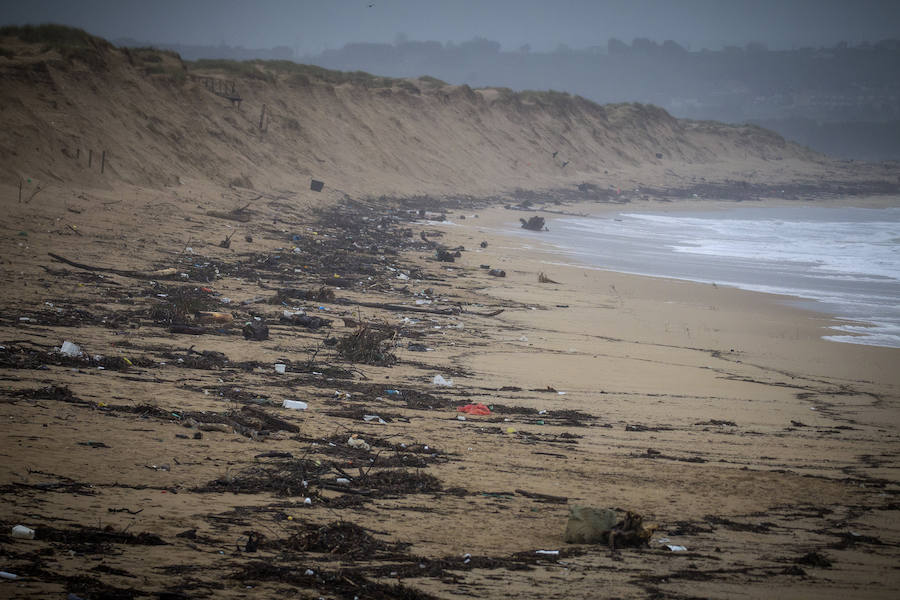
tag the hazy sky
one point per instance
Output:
(310, 26)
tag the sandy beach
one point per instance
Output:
(719, 415)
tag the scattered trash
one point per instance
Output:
(547, 552)
(356, 442)
(497, 272)
(676, 548)
(439, 380)
(460, 418)
(342, 481)
(8, 575)
(392, 392)
(70, 349)
(475, 409)
(374, 419)
(23, 533)
(280, 368)
(307, 501)
(316, 185)
(295, 405)
(256, 330)
(484, 244)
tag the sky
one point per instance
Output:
(310, 26)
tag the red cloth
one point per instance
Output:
(475, 409)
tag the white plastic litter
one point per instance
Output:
(280, 368)
(675, 548)
(547, 552)
(295, 405)
(374, 418)
(439, 380)
(8, 575)
(307, 501)
(360, 443)
(23, 533)
(70, 349)
(342, 481)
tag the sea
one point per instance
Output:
(842, 261)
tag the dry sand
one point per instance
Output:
(719, 414)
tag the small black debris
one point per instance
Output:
(497, 272)
(445, 256)
(256, 330)
(535, 223)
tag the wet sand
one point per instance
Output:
(718, 414)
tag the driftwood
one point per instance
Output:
(402, 307)
(544, 279)
(238, 214)
(136, 274)
(543, 497)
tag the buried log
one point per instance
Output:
(588, 525)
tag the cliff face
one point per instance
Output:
(159, 123)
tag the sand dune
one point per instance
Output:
(159, 124)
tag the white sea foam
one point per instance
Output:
(846, 259)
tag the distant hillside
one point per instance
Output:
(72, 102)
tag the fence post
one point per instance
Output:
(102, 161)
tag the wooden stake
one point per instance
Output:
(20, 190)
(103, 161)
(262, 115)
(90, 157)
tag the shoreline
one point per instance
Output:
(553, 256)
